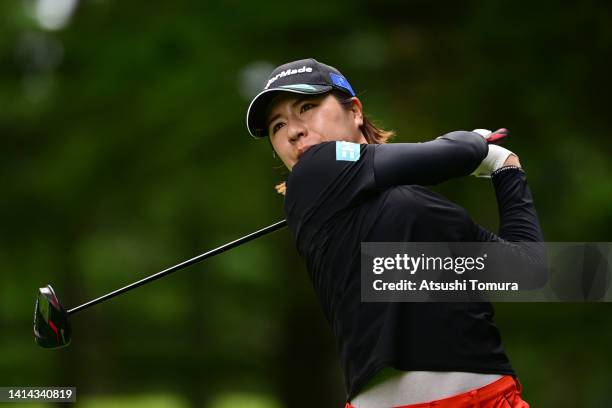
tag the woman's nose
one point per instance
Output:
(296, 129)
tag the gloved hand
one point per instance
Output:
(495, 159)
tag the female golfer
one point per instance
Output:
(346, 186)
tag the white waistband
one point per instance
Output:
(412, 387)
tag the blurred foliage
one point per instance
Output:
(124, 151)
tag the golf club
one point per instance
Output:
(52, 327)
(51, 324)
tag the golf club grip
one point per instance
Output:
(499, 136)
(276, 226)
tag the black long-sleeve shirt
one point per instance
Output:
(339, 195)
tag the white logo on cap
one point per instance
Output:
(288, 72)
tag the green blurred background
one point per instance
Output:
(124, 151)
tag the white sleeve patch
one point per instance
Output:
(347, 151)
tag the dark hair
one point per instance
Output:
(372, 133)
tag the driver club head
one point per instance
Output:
(51, 325)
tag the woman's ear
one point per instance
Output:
(356, 108)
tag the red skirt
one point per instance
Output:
(503, 393)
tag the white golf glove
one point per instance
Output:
(495, 159)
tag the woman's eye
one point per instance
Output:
(276, 127)
(306, 106)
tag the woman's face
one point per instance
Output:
(296, 122)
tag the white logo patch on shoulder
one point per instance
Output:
(347, 151)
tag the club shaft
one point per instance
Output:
(182, 265)
(495, 139)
